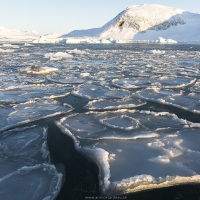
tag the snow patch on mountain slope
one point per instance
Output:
(147, 22)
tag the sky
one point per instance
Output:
(63, 16)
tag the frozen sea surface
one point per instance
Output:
(132, 109)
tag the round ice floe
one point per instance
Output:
(30, 92)
(189, 102)
(150, 120)
(34, 182)
(113, 104)
(127, 83)
(172, 82)
(38, 70)
(139, 164)
(35, 110)
(156, 95)
(82, 123)
(65, 79)
(34, 79)
(185, 101)
(90, 91)
(58, 56)
(25, 142)
(121, 122)
(94, 91)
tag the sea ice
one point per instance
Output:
(25, 168)
(58, 56)
(34, 110)
(114, 104)
(97, 91)
(65, 79)
(186, 101)
(38, 70)
(159, 156)
(31, 92)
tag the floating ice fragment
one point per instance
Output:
(31, 92)
(157, 51)
(82, 123)
(111, 104)
(38, 70)
(34, 182)
(95, 91)
(6, 50)
(10, 46)
(35, 110)
(121, 122)
(173, 82)
(25, 165)
(131, 83)
(58, 56)
(185, 101)
(65, 79)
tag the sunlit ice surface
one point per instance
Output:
(139, 123)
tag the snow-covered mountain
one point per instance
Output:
(147, 22)
(17, 35)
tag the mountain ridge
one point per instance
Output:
(147, 22)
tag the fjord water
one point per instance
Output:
(99, 120)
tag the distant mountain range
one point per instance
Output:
(17, 35)
(147, 22)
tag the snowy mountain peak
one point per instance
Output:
(155, 17)
(147, 22)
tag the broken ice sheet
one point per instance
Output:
(183, 100)
(156, 94)
(34, 110)
(25, 166)
(189, 102)
(159, 153)
(65, 79)
(123, 123)
(172, 82)
(23, 142)
(134, 165)
(30, 92)
(33, 182)
(126, 83)
(97, 91)
(114, 104)
(161, 82)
